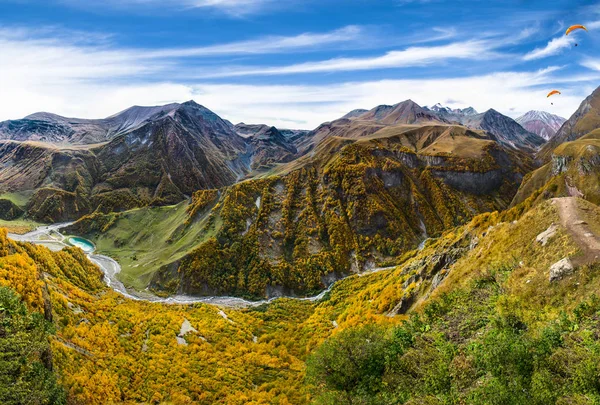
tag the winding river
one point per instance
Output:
(50, 237)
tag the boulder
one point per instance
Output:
(548, 234)
(560, 269)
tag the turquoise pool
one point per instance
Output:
(83, 244)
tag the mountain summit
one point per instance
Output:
(541, 123)
(48, 127)
(505, 129)
(406, 112)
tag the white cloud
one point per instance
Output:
(231, 7)
(96, 81)
(591, 63)
(410, 57)
(27, 58)
(265, 45)
(552, 48)
(296, 105)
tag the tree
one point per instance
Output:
(26, 375)
(348, 368)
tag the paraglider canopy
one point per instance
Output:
(553, 92)
(575, 27)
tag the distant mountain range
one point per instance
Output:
(68, 167)
(360, 122)
(541, 123)
(453, 114)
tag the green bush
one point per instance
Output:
(468, 347)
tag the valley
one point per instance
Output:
(426, 237)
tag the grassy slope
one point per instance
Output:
(144, 239)
(20, 198)
(19, 225)
(466, 345)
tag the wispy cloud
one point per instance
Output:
(41, 54)
(303, 106)
(270, 44)
(591, 63)
(409, 57)
(231, 7)
(592, 25)
(552, 48)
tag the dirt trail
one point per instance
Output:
(582, 234)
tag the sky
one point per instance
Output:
(295, 63)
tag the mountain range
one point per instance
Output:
(69, 167)
(583, 121)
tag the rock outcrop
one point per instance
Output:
(548, 234)
(561, 269)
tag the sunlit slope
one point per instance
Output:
(488, 326)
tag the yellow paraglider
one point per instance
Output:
(575, 27)
(553, 92)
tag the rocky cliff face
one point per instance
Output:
(267, 145)
(573, 170)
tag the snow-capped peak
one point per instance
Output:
(541, 122)
(439, 108)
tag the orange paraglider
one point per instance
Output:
(575, 27)
(553, 92)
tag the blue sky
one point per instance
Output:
(294, 63)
